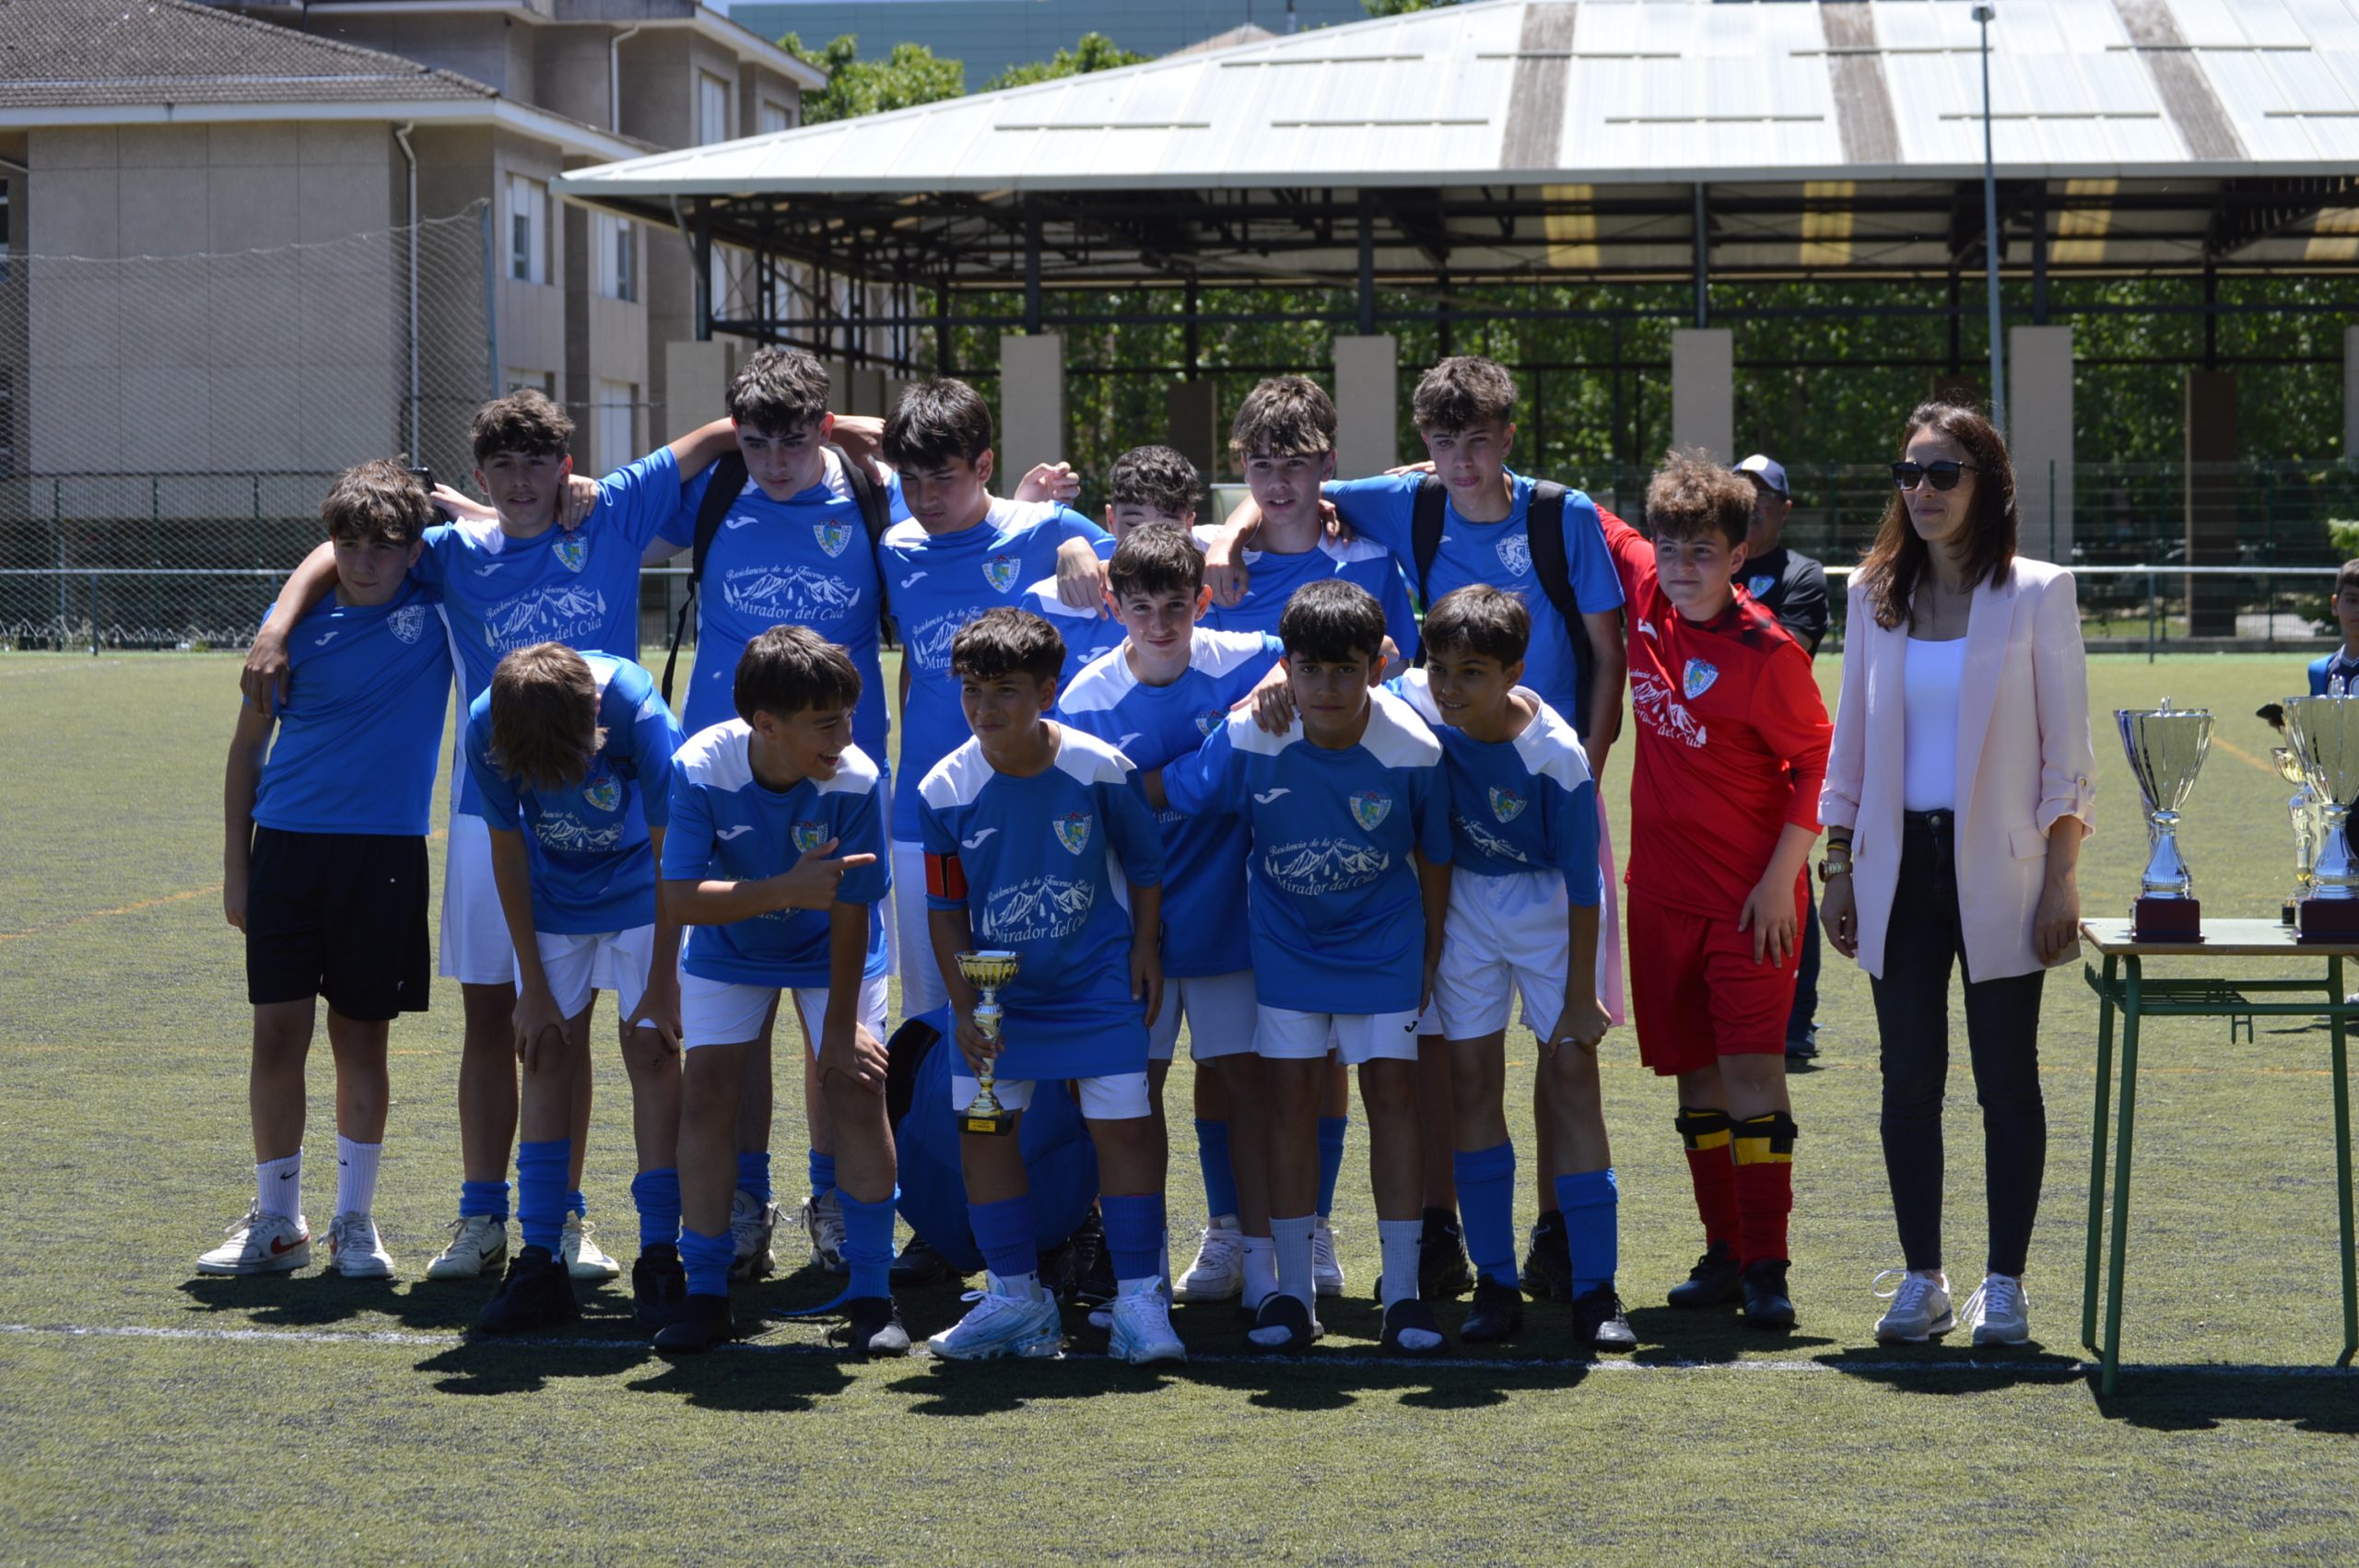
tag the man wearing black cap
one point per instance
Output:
(1791, 587)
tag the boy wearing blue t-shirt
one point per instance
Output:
(324, 867)
(1146, 485)
(572, 757)
(962, 552)
(1038, 843)
(1348, 882)
(775, 861)
(1524, 896)
(507, 582)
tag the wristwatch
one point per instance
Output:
(1837, 862)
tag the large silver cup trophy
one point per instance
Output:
(2166, 746)
(2324, 732)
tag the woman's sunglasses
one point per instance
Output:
(1942, 475)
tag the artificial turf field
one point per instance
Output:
(147, 1412)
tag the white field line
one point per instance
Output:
(399, 1338)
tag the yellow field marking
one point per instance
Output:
(182, 896)
(2241, 755)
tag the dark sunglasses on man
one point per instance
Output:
(1942, 475)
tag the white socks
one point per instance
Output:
(278, 1186)
(1260, 1272)
(356, 1175)
(1398, 1240)
(1292, 1240)
(1023, 1287)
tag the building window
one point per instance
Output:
(528, 232)
(713, 109)
(618, 427)
(774, 117)
(538, 381)
(617, 254)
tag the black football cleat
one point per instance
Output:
(1496, 1314)
(1548, 1266)
(537, 1294)
(1443, 1272)
(658, 1285)
(1598, 1322)
(1093, 1272)
(1767, 1304)
(919, 1265)
(1712, 1282)
(871, 1328)
(702, 1323)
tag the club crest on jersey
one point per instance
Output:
(602, 792)
(407, 622)
(1506, 805)
(1368, 808)
(1758, 586)
(1000, 571)
(1697, 678)
(1072, 830)
(1210, 719)
(1514, 554)
(809, 836)
(571, 551)
(833, 536)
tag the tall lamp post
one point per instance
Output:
(1986, 15)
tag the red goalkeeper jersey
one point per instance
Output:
(1732, 740)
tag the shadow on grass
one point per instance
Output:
(1670, 1335)
(321, 1301)
(2202, 1400)
(1946, 1371)
(509, 1366)
(732, 1381)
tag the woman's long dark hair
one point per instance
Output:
(1896, 560)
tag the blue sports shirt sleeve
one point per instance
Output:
(656, 735)
(860, 831)
(501, 807)
(1429, 798)
(1199, 785)
(1379, 509)
(680, 527)
(688, 839)
(1576, 841)
(1400, 616)
(1129, 827)
(644, 495)
(1071, 524)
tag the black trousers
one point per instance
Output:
(1921, 942)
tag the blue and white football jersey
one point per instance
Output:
(1274, 579)
(806, 561)
(727, 825)
(1043, 868)
(1204, 857)
(1526, 804)
(1337, 914)
(579, 589)
(362, 728)
(1087, 633)
(941, 582)
(587, 842)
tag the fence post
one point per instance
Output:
(2150, 616)
(64, 589)
(94, 615)
(2051, 513)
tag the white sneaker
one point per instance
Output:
(260, 1243)
(999, 1325)
(1142, 1328)
(1218, 1272)
(752, 1221)
(1326, 1270)
(354, 1249)
(823, 1219)
(583, 1257)
(1919, 1309)
(477, 1242)
(2000, 1311)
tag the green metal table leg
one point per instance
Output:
(2098, 1141)
(2342, 1168)
(2131, 977)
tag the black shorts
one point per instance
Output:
(338, 915)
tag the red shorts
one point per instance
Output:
(1695, 993)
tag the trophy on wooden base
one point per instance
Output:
(987, 972)
(2325, 735)
(2302, 806)
(2167, 747)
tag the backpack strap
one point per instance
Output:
(1424, 531)
(728, 481)
(1545, 524)
(876, 511)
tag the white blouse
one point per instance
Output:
(1929, 697)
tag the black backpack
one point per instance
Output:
(1544, 525)
(729, 482)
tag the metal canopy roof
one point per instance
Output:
(1533, 140)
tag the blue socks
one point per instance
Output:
(754, 1173)
(707, 1260)
(1007, 1237)
(1331, 1160)
(823, 1174)
(484, 1198)
(1593, 1229)
(1133, 1235)
(657, 1195)
(541, 1189)
(1212, 1153)
(1486, 1206)
(868, 1245)
(574, 1202)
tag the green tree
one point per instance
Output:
(1095, 51)
(912, 74)
(1402, 7)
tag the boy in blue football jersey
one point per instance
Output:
(1524, 897)
(507, 583)
(571, 756)
(1170, 685)
(1037, 843)
(1146, 485)
(1349, 880)
(324, 867)
(775, 861)
(962, 552)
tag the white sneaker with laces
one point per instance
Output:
(999, 1325)
(1919, 1309)
(260, 1243)
(477, 1242)
(1326, 1270)
(752, 1221)
(583, 1257)
(2000, 1311)
(823, 1218)
(1218, 1272)
(354, 1249)
(1142, 1326)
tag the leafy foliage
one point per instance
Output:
(1094, 52)
(912, 74)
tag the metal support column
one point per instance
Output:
(1703, 260)
(1368, 263)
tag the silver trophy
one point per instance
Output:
(2302, 806)
(2324, 732)
(2166, 746)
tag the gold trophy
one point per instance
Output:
(987, 972)
(2303, 808)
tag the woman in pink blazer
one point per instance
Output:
(1957, 794)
